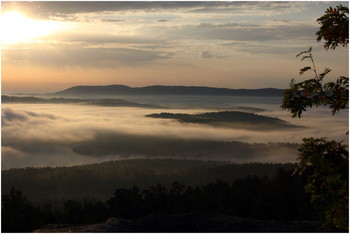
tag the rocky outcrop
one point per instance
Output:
(190, 223)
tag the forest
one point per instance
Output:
(106, 143)
(234, 119)
(98, 181)
(274, 194)
(165, 90)
(97, 102)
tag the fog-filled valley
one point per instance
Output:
(83, 160)
(61, 134)
(174, 116)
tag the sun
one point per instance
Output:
(16, 27)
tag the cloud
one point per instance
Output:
(112, 20)
(58, 135)
(263, 8)
(66, 9)
(254, 48)
(208, 55)
(101, 39)
(84, 57)
(239, 32)
(8, 116)
(94, 38)
(159, 30)
(162, 20)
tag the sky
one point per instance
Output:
(51, 46)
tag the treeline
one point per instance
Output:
(226, 119)
(98, 102)
(100, 180)
(36, 100)
(281, 197)
(152, 146)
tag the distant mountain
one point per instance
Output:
(166, 90)
(32, 99)
(98, 102)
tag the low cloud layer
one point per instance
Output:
(9, 117)
(59, 135)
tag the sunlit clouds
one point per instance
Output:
(168, 43)
(16, 27)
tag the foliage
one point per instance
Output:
(280, 197)
(98, 102)
(146, 146)
(227, 119)
(100, 180)
(334, 27)
(325, 162)
(313, 92)
(17, 213)
(82, 212)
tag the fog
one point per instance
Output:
(72, 134)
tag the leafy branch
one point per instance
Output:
(313, 92)
(334, 27)
(325, 162)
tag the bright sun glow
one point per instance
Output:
(16, 27)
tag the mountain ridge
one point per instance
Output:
(167, 90)
(98, 102)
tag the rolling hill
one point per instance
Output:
(97, 102)
(166, 90)
(234, 119)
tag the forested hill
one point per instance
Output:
(168, 90)
(234, 119)
(97, 102)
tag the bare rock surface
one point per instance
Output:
(190, 223)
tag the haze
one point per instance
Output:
(73, 134)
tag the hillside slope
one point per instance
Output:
(100, 180)
(166, 90)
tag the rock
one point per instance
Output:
(191, 222)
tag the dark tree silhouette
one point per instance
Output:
(280, 198)
(17, 213)
(313, 92)
(334, 27)
(325, 162)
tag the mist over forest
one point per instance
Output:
(41, 131)
(228, 119)
(130, 117)
(86, 159)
